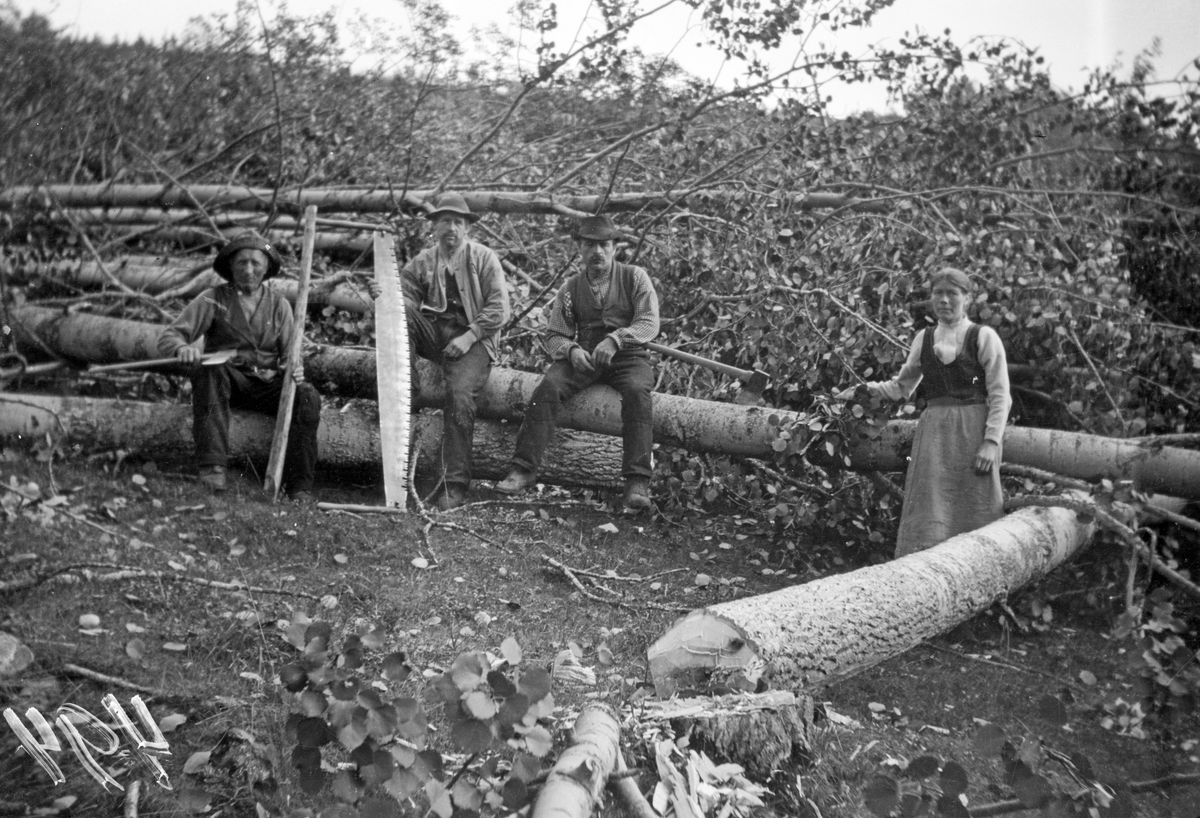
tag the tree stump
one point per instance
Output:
(760, 731)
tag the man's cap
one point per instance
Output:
(452, 203)
(597, 228)
(223, 263)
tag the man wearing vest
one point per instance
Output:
(596, 332)
(456, 303)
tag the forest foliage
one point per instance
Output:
(1076, 212)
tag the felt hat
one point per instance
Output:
(452, 203)
(249, 240)
(597, 228)
(954, 276)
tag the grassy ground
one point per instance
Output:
(213, 654)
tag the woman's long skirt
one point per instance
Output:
(943, 494)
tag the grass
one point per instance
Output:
(215, 653)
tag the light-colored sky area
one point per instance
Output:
(1073, 35)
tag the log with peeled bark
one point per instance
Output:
(808, 636)
(575, 786)
(347, 439)
(385, 199)
(694, 424)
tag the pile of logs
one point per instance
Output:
(793, 641)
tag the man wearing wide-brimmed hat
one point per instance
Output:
(456, 303)
(596, 332)
(255, 320)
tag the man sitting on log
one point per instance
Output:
(596, 332)
(456, 303)
(244, 315)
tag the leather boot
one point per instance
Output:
(637, 493)
(213, 477)
(517, 481)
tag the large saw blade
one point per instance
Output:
(392, 372)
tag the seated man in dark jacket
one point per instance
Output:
(596, 332)
(255, 320)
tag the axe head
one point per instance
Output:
(752, 388)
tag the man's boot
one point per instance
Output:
(452, 496)
(213, 477)
(637, 493)
(517, 481)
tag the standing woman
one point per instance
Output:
(953, 481)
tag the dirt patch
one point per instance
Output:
(212, 652)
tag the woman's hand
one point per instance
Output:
(986, 457)
(374, 289)
(298, 374)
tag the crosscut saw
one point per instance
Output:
(392, 372)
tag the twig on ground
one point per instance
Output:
(583, 572)
(131, 799)
(114, 681)
(452, 526)
(570, 574)
(1005, 665)
(1016, 805)
(123, 572)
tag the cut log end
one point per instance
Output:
(705, 653)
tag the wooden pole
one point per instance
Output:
(283, 418)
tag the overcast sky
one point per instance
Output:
(1072, 35)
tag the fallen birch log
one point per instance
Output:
(1152, 469)
(575, 785)
(690, 423)
(327, 241)
(348, 438)
(153, 276)
(808, 636)
(385, 199)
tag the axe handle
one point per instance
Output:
(209, 359)
(743, 375)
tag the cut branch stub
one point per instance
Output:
(575, 785)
